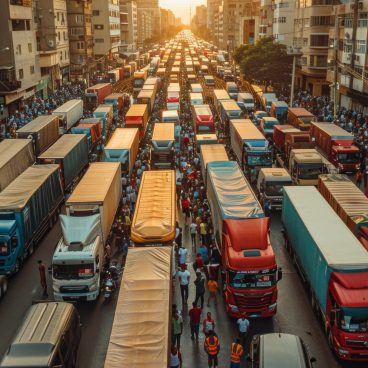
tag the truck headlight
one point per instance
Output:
(343, 352)
(272, 306)
(233, 308)
(93, 287)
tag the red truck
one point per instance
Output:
(96, 94)
(337, 145)
(137, 117)
(203, 119)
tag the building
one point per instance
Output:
(218, 16)
(53, 41)
(145, 26)
(201, 16)
(266, 18)
(212, 9)
(128, 27)
(283, 21)
(349, 56)
(106, 28)
(168, 20)
(20, 73)
(312, 22)
(80, 39)
(149, 27)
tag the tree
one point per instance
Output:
(265, 62)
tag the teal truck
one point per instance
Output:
(28, 208)
(334, 266)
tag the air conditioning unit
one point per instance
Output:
(50, 43)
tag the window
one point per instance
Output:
(76, 31)
(98, 26)
(32, 69)
(95, 13)
(319, 40)
(19, 50)
(58, 36)
(61, 55)
(65, 55)
(360, 47)
(62, 18)
(21, 74)
(305, 41)
(99, 40)
(64, 36)
(58, 16)
(79, 19)
(80, 45)
(29, 47)
(322, 21)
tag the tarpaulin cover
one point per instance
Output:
(210, 153)
(163, 132)
(83, 229)
(155, 211)
(142, 321)
(44, 131)
(15, 156)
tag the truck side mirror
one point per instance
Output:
(279, 274)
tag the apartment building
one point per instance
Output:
(168, 20)
(151, 9)
(283, 21)
(128, 27)
(20, 73)
(145, 26)
(106, 28)
(350, 56)
(53, 41)
(312, 22)
(80, 39)
(212, 9)
(265, 18)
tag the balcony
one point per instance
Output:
(26, 3)
(8, 82)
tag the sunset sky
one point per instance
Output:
(181, 7)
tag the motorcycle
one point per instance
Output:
(109, 287)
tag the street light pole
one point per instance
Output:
(294, 52)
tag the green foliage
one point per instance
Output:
(265, 62)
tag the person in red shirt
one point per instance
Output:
(195, 320)
(185, 204)
(198, 262)
(208, 324)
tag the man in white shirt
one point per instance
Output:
(183, 252)
(243, 326)
(193, 232)
(184, 278)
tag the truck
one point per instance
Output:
(105, 114)
(139, 78)
(203, 121)
(123, 147)
(229, 110)
(251, 148)
(43, 131)
(91, 127)
(173, 97)
(196, 98)
(98, 192)
(248, 264)
(113, 75)
(232, 89)
(29, 207)
(202, 139)
(267, 99)
(210, 153)
(16, 155)
(279, 110)
(77, 261)
(96, 94)
(127, 72)
(117, 102)
(163, 146)
(69, 114)
(300, 118)
(218, 96)
(70, 153)
(147, 97)
(348, 201)
(270, 183)
(337, 145)
(137, 117)
(245, 101)
(334, 267)
(172, 116)
(266, 126)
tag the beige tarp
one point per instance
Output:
(15, 156)
(247, 131)
(163, 132)
(123, 138)
(142, 322)
(155, 211)
(63, 146)
(17, 194)
(100, 185)
(210, 153)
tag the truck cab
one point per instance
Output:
(270, 183)
(246, 101)
(232, 90)
(163, 146)
(266, 126)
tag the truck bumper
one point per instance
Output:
(234, 312)
(93, 295)
(346, 353)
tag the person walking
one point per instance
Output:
(237, 352)
(195, 320)
(175, 358)
(193, 232)
(243, 327)
(212, 348)
(203, 232)
(208, 324)
(212, 289)
(200, 288)
(177, 328)
(184, 278)
(42, 272)
(182, 253)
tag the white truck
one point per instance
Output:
(69, 114)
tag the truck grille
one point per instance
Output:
(358, 344)
(253, 301)
(73, 289)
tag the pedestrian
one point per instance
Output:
(212, 348)
(42, 271)
(203, 232)
(195, 320)
(208, 324)
(184, 278)
(200, 288)
(243, 327)
(198, 263)
(175, 358)
(203, 250)
(237, 352)
(177, 328)
(182, 252)
(193, 232)
(212, 289)
(213, 268)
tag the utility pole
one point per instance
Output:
(353, 41)
(294, 52)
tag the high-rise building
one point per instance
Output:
(128, 26)
(106, 27)
(283, 21)
(53, 41)
(145, 26)
(266, 18)
(80, 39)
(168, 20)
(20, 73)
(152, 27)
(212, 9)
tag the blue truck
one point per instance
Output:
(70, 153)
(29, 206)
(279, 110)
(333, 264)
(229, 110)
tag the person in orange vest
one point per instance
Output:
(236, 354)
(212, 348)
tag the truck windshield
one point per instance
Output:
(274, 188)
(138, 83)
(354, 319)
(270, 124)
(73, 271)
(260, 159)
(255, 279)
(309, 171)
(348, 158)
